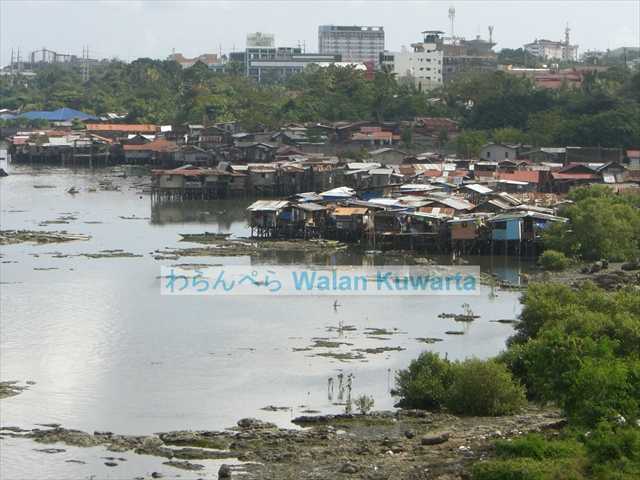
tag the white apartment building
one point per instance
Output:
(357, 44)
(550, 50)
(422, 64)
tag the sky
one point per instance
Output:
(129, 29)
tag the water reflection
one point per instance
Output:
(221, 213)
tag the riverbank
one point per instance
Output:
(402, 444)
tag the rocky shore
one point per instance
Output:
(408, 444)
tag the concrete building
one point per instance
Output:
(264, 62)
(353, 43)
(550, 50)
(422, 64)
(466, 56)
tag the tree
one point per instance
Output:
(407, 136)
(469, 143)
(601, 225)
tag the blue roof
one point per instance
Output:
(60, 115)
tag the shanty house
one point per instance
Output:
(520, 226)
(349, 221)
(499, 151)
(158, 152)
(634, 159)
(262, 179)
(263, 216)
(387, 156)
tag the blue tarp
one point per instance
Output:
(60, 115)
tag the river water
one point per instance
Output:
(107, 352)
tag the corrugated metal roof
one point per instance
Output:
(363, 165)
(340, 192)
(267, 205)
(418, 187)
(481, 189)
(456, 203)
(311, 207)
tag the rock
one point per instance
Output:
(224, 471)
(435, 439)
(349, 468)
(184, 465)
(50, 450)
(409, 434)
(151, 442)
(633, 265)
(255, 424)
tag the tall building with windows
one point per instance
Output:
(423, 64)
(355, 43)
(266, 63)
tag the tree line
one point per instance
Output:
(493, 106)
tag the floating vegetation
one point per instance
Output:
(8, 237)
(206, 237)
(376, 332)
(273, 408)
(428, 340)
(244, 246)
(110, 254)
(378, 350)
(10, 389)
(341, 356)
(342, 328)
(326, 343)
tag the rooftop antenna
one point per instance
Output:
(452, 19)
(491, 34)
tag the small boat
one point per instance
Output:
(73, 190)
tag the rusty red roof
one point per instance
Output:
(158, 145)
(122, 127)
(529, 176)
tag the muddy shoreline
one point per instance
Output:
(410, 444)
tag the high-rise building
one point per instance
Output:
(422, 64)
(355, 43)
